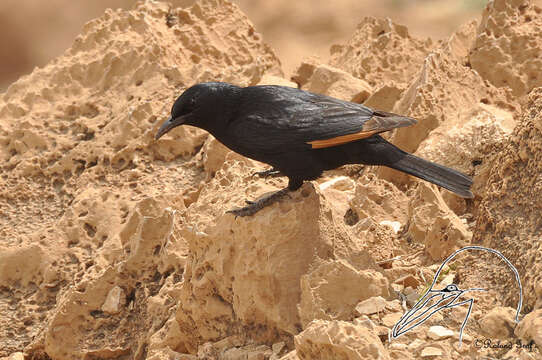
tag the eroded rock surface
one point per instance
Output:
(114, 245)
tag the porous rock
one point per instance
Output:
(325, 79)
(530, 328)
(371, 306)
(438, 332)
(399, 59)
(431, 352)
(447, 92)
(118, 246)
(332, 290)
(499, 323)
(464, 146)
(338, 340)
(268, 79)
(507, 45)
(399, 54)
(379, 200)
(78, 154)
(94, 300)
(508, 217)
(246, 272)
(433, 224)
(22, 265)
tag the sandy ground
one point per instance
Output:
(117, 246)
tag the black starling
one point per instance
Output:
(301, 134)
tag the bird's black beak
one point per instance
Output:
(169, 124)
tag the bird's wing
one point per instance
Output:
(354, 122)
(287, 119)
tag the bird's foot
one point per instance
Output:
(267, 173)
(254, 206)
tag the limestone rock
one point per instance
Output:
(434, 224)
(96, 301)
(466, 338)
(228, 350)
(379, 200)
(333, 289)
(214, 155)
(465, 147)
(380, 240)
(247, 271)
(408, 281)
(431, 352)
(166, 338)
(385, 97)
(438, 332)
(508, 215)
(446, 92)
(338, 340)
(268, 79)
(338, 191)
(114, 245)
(305, 70)
(389, 320)
(166, 354)
(530, 328)
(113, 301)
(498, 323)
(278, 348)
(415, 345)
(292, 355)
(78, 155)
(506, 43)
(15, 356)
(398, 346)
(22, 265)
(412, 298)
(342, 183)
(336, 83)
(371, 306)
(400, 55)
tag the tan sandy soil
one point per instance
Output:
(116, 246)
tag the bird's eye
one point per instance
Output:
(451, 288)
(190, 106)
(183, 106)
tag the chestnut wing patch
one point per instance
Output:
(379, 122)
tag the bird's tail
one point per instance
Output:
(437, 174)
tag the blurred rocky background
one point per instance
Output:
(33, 32)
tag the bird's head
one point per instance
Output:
(199, 105)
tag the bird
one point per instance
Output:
(301, 134)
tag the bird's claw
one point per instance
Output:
(254, 206)
(267, 173)
(242, 212)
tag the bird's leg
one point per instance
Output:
(267, 173)
(254, 206)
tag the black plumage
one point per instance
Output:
(301, 134)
